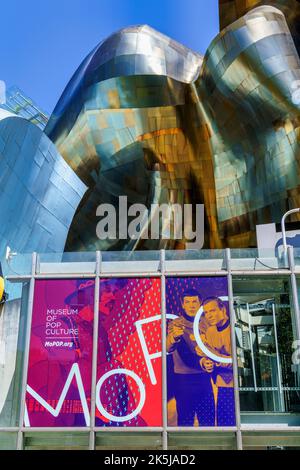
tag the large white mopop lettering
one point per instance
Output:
(74, 372)
(134, 413)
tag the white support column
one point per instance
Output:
(251, 348)
(293, 278)
(234, 353)
(26, 351)
(95, 350)
(164, 351)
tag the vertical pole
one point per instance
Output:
(294, 290)
(95, 350)
(164, 350)
(251, 347)
(234, 352)
(295, 299)
(281, 398)
(26, 351)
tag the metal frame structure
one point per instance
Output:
(162, 272)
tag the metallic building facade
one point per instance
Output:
(249, 88)
(231, 10)
(147, 118)
(128, 124)
(264, 309)
(39, 193)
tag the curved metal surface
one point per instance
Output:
(39, 193)
(128, 125)
(231, 10)
(146, 118)
(249, 87)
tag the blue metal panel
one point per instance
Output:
(39, 192)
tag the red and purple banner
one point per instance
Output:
(129, 357)
(128, 389)
(60, 359)
(200, 374)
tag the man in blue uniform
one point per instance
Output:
(192, 382)
(218, 338)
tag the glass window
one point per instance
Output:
(13, 314)
(202, 441)
(128, 441)
(8, 440)
(271, 440)
(265, 331)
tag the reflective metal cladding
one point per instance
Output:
(231, 10)
(129, 125)
(39, 193)
(249, 87)
(147, 118)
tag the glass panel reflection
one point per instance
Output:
(8, 440)
(202, 441)
(56, 441)
(271, 441)
(265, 331)
(13, 316)
(128, 441)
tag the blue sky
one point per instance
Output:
(42, 42)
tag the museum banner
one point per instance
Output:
(129, 377)
(128, 385)
(60, 359)
(199, 360)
